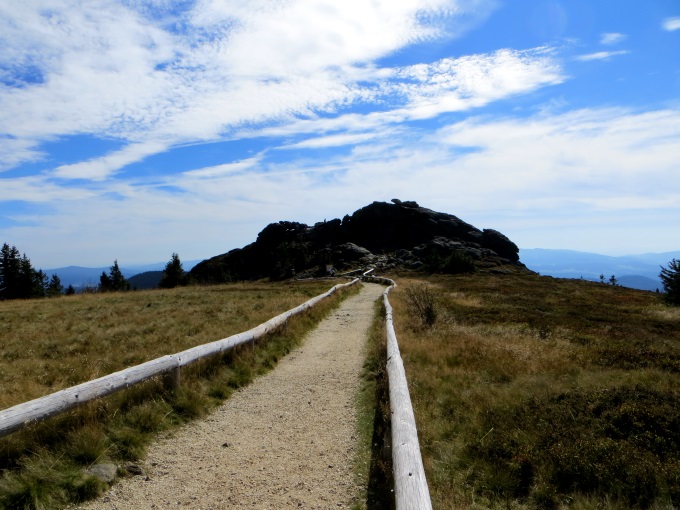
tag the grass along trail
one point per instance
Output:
(288, 440)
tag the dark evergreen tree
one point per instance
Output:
(54, 288)
(10, 269)
(114, 281)
(118, 281)
(173, 274)
(26, 281)
(105, 284)
(40, 283)
(670, 277)
(70, 291)
(18, 279)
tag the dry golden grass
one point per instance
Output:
(514, 367)
(42, 465)
(50, 344)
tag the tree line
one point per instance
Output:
(173, 275)
(20, 280)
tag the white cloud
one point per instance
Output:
(577, 173)
(99, 169)
(601, 55)
(14, 151)
(427, 90)
(671, 24)
(413, 92)
(92, 70)
(476, 80)
(226, 169)
(38, 190)
(123, 70)
(611, 38)
(584, 156)
(341, 140)
(249, 68)
(576, 167)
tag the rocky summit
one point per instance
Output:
(387, 236)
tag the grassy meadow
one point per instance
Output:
(47, 345)
(533, 392)
(50, 344)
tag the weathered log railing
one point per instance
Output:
(21, 415)
(410, 485)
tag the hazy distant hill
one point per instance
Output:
(89, 276)
(145, 280)
(635, 271)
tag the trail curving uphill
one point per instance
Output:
(285, 441)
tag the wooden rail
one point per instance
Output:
(410, 485)
(21, 415)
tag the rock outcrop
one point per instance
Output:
(384, 235)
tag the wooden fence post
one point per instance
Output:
(410, 485)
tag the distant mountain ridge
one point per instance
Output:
(635, 271)
(81, 277)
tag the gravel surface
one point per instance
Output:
(286, 441)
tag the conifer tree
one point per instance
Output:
(114, 281)
(105, 283)
(173, 274)
(118, 281)
(670, 277)
(18, 279)
(54, 288)
(10, 267)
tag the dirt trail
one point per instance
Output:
(285, 441)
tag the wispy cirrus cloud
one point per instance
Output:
(123, 70)
(426, 90)
(402, 94)
(601, 164)
(601, 55)
(611, 38)
(14, 151)
(99, 169)
(338, 140)
(473, 81)
(228, 169)
(671, 24)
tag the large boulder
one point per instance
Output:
(347, 253)
(381, 227)
(388, 235)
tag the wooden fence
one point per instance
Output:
(19, 416)
(410, 485)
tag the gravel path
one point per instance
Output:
(285, 441)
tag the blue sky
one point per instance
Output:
(133, 129)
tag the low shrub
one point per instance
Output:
(458, 263)
(422, 304)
